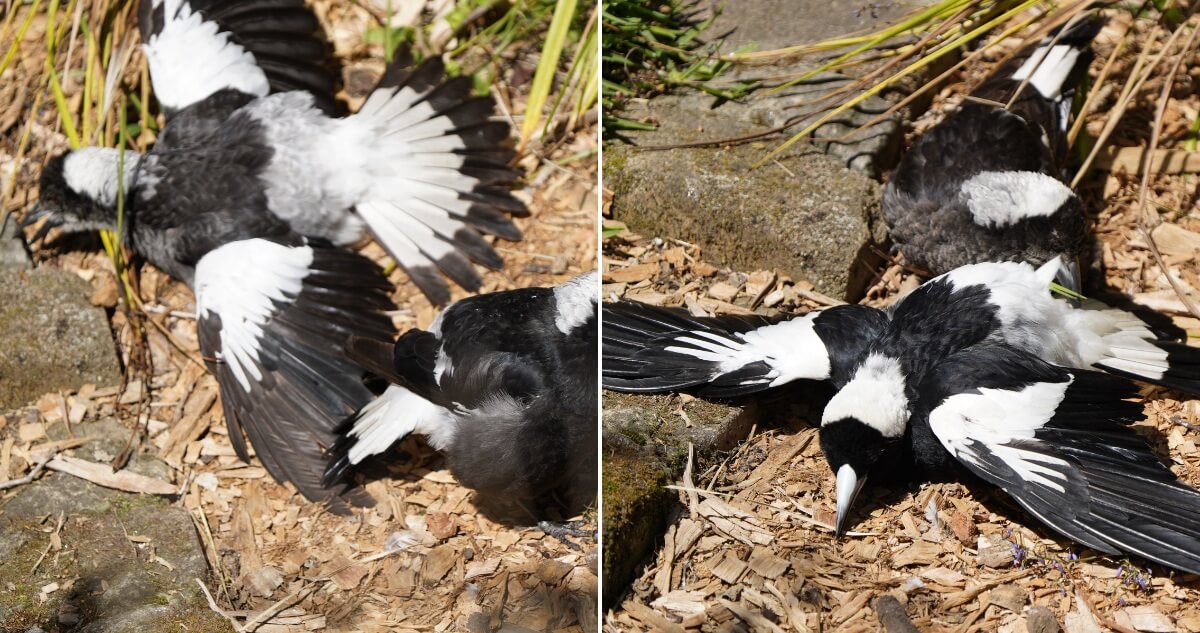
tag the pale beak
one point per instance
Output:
(847, 488)
(1069, 277)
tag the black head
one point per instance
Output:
(851, 447)
(78, 191)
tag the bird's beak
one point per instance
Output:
(36, 213)
(1068, 276)
(847, 488)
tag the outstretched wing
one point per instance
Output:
(651, 349)
(1058, 440)
(198, 47)
(273, 322)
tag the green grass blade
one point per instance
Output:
(543, 78)
(15, 46)
(60, 102)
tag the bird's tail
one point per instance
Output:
(440, 175)
(1057, 64)
(1132, 348)
(650, 349)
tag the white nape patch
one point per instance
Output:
(998, 199)
(392, 416)
(994, 418)
(1050, 67)
(575, 302)
(791, 348)
(190, 59)
(92, 172)
(241, 282)
(875, 397)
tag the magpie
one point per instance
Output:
(504, 384)
(1058, 441)
(985, 184)
(997, 302)
(654, 349)
(421, 165)
(252, 194)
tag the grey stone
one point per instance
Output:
(115, 583)
(804, 215)
(773, 24)
(51, 337)
(59, 493)
(12, 247)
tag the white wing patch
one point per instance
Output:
(791, 348)
(993, 419)
(998, 199)
(874, 396)
(1050, 67)
(394, 415)
(190, 59)
(240, 283)
(575, 302)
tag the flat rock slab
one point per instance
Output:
(51, 337)
(120, 562)
(804, 215)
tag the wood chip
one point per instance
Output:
(918, 553)
(963, 527)
(102, 475)
(722, 291)
(349, 574)
(441, 525)
(638, 272)
(264, 581)
(439, 561)
(1009, 597)
(766, 564)
(479, 568)
(1145, 618)
(944, 576)
(729, 568)
(1172, 239)
(734, 522)
(1081, 620)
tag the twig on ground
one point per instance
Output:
(37, 470)
(212, 604)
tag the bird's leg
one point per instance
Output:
(562, 530)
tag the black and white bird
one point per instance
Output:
(651, 349)
(1059, 442)
(252, 192)
(504, 384)
(986, 183)
(1002, 303)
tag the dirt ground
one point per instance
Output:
(752, 546)
(422, 559)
